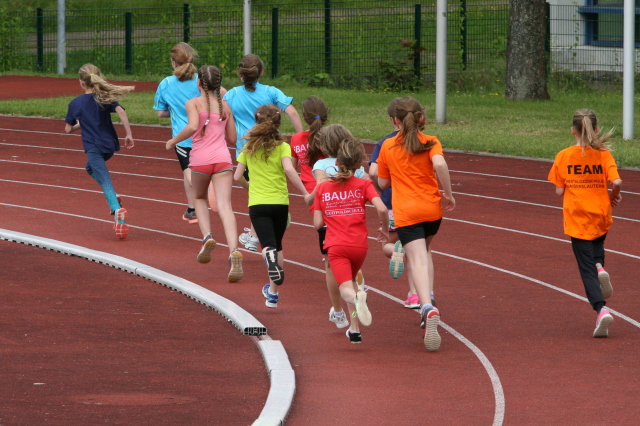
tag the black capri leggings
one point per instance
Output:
(270, 222)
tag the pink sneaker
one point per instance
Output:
(412, 302)
(605, 283)
(602, 324)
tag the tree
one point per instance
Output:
(526, 56)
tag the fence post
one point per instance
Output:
(274, 42)
(40, 27)
(128, 42)
(327, 36)
(417, 35)
(463, 33)
(547, 36)
(186, 22)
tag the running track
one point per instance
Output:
(517, 346)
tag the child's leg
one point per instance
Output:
(416, 253)
(188, 188)
(332, 288)
(222, 183)
(584, 252)
(345, 263)
(200, 184)
(97, 169)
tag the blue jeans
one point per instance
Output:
(97, 169)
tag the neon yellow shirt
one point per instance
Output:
(267, 179)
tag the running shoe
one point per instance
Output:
(248, 241)
(396, 265)
(360, 281)
(120, 225)
(602, 323)
(354, 336)
(605, 283)
(208, 244)
(272, 299)
(190, 216)
(412, 302)
(276, 273)
(430, 321)
(362, 310)
(236, 272)
(339, 319)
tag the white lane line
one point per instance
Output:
(519, 178)
(83, 169)
(76, 135)
(120, 153)
(495, 380)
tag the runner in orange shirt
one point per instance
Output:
(581, 174)
(409, 162)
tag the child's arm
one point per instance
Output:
(318, 221)
(292, 174)
(559, 191)
(615, 195)
(383, 214)
(165, 113)
(128, 139)
(442, 170)
(294, 117)
(239, 176)
(230, 134)
(68, 128)
(189, 129)
(384, 183)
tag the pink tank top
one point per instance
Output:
(212, 147)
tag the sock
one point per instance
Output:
(269, 290)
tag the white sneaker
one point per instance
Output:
(339, 319)
(362, 310)
(249, 241)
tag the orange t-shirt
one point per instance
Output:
(586, 205)
(415, 196)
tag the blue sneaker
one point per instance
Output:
(396, 265)
(272, 299)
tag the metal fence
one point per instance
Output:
(349, 42)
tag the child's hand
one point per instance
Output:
(450, 203)
(308, 199)
(170, 144)
(128, 142)
(615, 199)
(383, 235)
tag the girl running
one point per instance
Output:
(210, 123)
(91, 112)
(340, 205)
(244, 100)
(581, 175)
(409, 162)
(172, 94)
(268, 158)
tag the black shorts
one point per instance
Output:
(322, 233)
(270, 222)
(183, 156)
(406, 234)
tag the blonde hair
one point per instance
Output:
(103, 91)
(411, 114)
(585, 124)
(184, 55)
(249, 70)
(349, 159)
(265, 133)
(330, 138)
(210, 78)
(316, 114)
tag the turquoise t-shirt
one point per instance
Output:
(328, 165)
(171, 96)
(268, 181)
(244, 104)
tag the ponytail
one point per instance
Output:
(103, 91)
(316, 114)
(411, 114)
(265, 133)
(585, 124)
(349, 159)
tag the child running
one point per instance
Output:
(244, 100)
(340, 204)
(581, 174)
(210, 123)
(268, 158)
(409, 162)
(393, 248)
(91, 112)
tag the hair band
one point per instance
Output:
(317, 117)
(206, 122)
(90, 75)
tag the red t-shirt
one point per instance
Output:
(343, 211)
(299, 145)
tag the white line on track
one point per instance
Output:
(120, 153)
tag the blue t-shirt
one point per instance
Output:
(385, 195)
(328, 165)
(95, 123)
(171, 96)
(244, 104)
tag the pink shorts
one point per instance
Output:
(346, 261)
(212, 169)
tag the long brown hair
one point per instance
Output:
(265, 133)
(330, 138)
(585, 124)
(103, 91)
(210, 78)
(184, 55)
(249, 70)
(316, 114)
(411, 114)
(349, 159)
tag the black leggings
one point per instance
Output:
(588, 253)
(270, 222)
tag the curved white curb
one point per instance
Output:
(281, 374)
